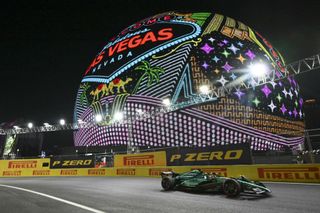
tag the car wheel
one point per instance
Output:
(231, 188)
(167, 183)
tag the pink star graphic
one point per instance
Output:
(205, 65)
(301, 102)
(206, 48)
(283, 109)
(295, 112)
(250, 54)
(266, 90)
(239, 93)
(227, 67)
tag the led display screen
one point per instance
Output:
(171, 55)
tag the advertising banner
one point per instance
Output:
(64, 162)
(217, 155)
(290, 173)
(126, 172)
(68, 172)
(143, 159)
(96, 172)
(24, 164)
(157, 171)
(41, 172)
(11, 173)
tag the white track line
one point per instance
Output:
(55, 198)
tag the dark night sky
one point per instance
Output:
(47, 45)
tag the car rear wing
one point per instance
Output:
(169, 174)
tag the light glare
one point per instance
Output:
(166, 102)
(62, 122)
(258, 70)
(98, 118)
(118, 116)
(46, 124)
(204, 89)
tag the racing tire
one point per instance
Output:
(167, 183)
(231, 188)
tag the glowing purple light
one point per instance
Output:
(301, 102)
(205, 65)
(225, 41)
(206, 48)
(266, 90)
(278, 74)
(250, 54)
(283, 109)
(239, 93)
(227, 67)
(295, 113)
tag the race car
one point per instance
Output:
(200, 181)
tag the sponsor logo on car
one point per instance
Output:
(22, 164)
(96, 172)
(68, 172)
(11, 173)
(157, 171)
(40, 172)
(292, 173)
(219, 171)
(142, 160)
(126, 171)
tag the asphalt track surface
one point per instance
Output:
(124, 194)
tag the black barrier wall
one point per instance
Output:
(217, 155)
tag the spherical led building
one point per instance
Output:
(217, 73)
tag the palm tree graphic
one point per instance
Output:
(152, 73)
(83, 96)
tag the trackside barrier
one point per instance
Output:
(148, 159)
(28, 167)
(305, 173)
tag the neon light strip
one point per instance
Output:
(108, 78)
(154, 103)
(254, 132)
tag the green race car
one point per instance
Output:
(200, 181)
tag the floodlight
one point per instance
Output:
(30, 125)
(258, 69)
(62, 122)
